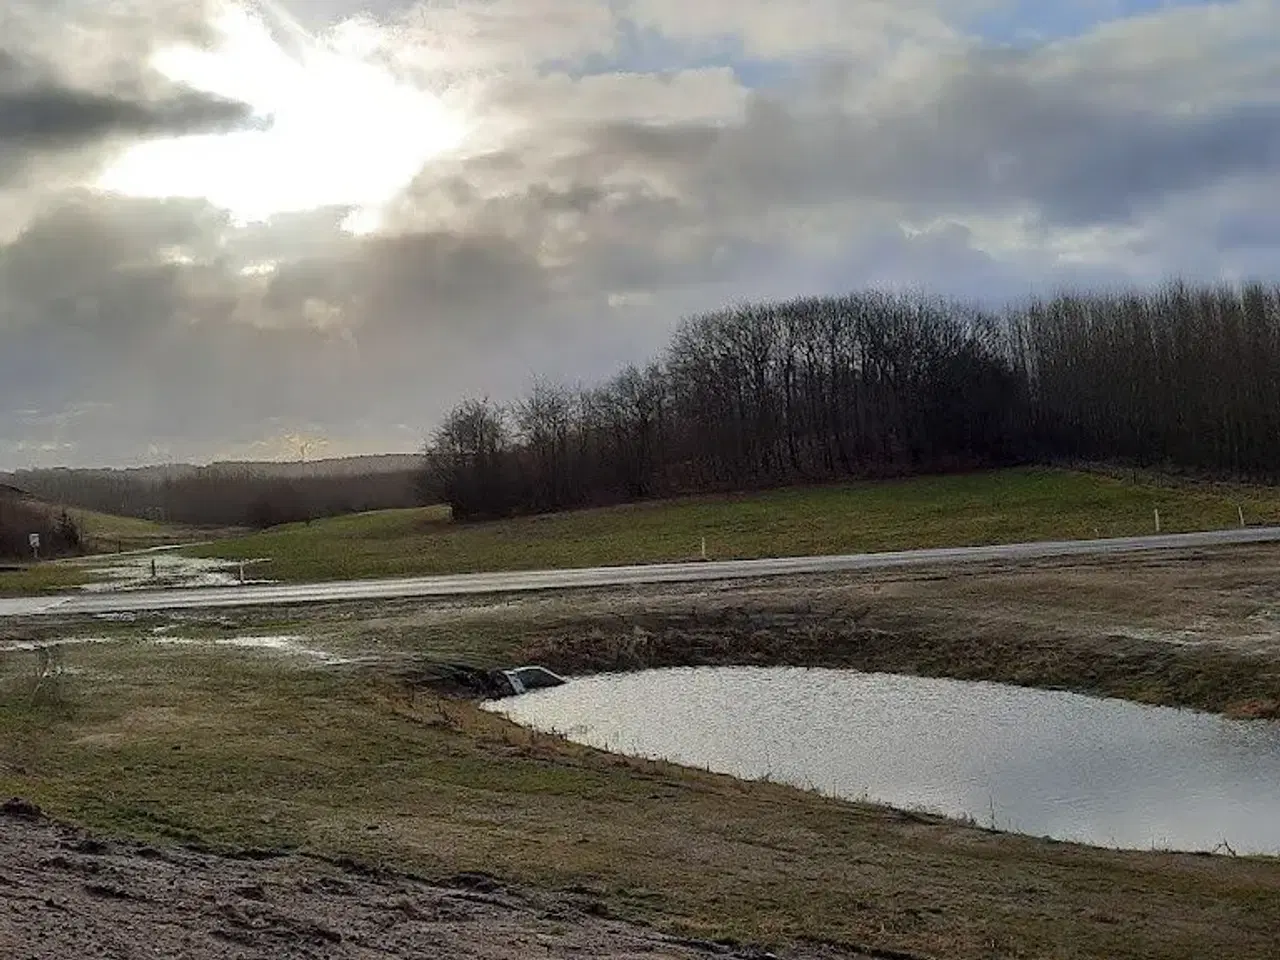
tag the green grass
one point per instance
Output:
(107, 533)
(42, 578)
(981, 508)
(194, 745)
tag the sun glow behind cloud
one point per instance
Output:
(338, 128)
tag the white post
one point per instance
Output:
(1240, 510)
(1157, 520)
(704, 548)
(242, 571)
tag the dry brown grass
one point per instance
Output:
(262, 752)
(270, 756)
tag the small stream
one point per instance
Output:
(1103, 772)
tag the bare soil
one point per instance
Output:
(66, 894)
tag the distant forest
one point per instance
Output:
(233, 494)
(878, 384)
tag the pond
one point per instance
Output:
(1103, 772)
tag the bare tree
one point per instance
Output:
(874, 383)
(467, 461)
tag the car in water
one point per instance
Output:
(523, 679)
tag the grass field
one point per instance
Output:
(108, 533)
(41, 578)
(215, 746)
(982, 508)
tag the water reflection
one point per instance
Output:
(1104, 772)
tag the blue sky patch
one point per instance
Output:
(1034, 21)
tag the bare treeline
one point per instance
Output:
(227, 495)
(1186, 377)
(756, 395)
(878, 384)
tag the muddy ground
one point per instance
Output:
(65, 894)
(1196, 629)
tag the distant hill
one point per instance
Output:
(336, 467)
(233, 493)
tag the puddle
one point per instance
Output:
(1103, 772)
(1200, 635)
(16, 645)
(134, 572)
(292, 646)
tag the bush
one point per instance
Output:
(20, 517)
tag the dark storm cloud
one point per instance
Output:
(128, 314)
(44, 114)
(89, 244)
(50, 117)
(1000, 130)
(990, 140)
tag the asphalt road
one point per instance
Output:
(533, 580)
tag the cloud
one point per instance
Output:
(70, 90)
(626, 163)
(48, 117)
(862, 29)
(504, 35)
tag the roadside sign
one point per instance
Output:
(34, 540)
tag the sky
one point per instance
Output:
(237, 229)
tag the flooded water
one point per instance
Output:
(162, 568)
(290, 646)
(1104, 772)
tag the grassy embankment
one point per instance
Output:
(192, 744)
(108, 533)
(38, 578)
(982, 508)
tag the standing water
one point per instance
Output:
(1103, 772)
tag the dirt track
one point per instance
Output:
(64, 894)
